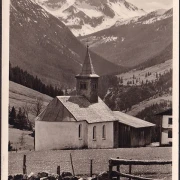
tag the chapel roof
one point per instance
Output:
(131, 120)
(81, 109)
(166, 112)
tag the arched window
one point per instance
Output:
(94, 132)
(80, 131)
(104, 132)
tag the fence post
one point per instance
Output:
(118, 169)
(72, 165)
(34, 143)
(24, 165)
(91, 168)
(58, 170)
(130, 168)
(110, 170)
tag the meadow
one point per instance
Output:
(49, 160)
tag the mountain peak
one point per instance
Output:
(89, 16)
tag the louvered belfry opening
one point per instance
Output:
(87, 80)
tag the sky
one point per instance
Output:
(150, 5)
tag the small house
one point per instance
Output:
(166, 127)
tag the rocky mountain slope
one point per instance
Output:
(87, 16)
(136, 40)
(41, 44)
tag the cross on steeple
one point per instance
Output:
(87, 43)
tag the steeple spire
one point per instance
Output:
(87, 80)
(87, 68)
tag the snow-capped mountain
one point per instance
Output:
(148, 18)
(88, 16)
(41, 44)
(136, 40)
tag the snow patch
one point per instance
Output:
(45, 13)
(122, 39)
(59, 26)
(109, 39)
(28, 19)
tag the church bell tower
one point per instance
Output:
(87, 80)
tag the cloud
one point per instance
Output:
(150, 5)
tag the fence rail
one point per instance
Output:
(133, 176)
(115, 162)
(118, 162)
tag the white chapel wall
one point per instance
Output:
(59, 135)
(99, 141)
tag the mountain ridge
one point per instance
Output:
(133, 42)
(89, 16)
(45, 47)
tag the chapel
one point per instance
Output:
(85, 121)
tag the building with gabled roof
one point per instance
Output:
(166, 127)
(85, 121)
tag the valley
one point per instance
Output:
(43, 46)
(131, 51)
(134, 42)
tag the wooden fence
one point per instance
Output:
(118, 162)
(58, 167)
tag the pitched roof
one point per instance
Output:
(131, 120)
(87, 68)
(79, 107)
(167, 112)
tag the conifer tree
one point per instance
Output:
(12, 116)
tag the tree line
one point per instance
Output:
(121, 97)
(16, 74)
(19, 119)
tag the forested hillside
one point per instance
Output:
(19, 76)
(122, 98)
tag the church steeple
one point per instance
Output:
(87, 68)
(87, 80)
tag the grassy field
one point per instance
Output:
(20, 95)
(14, 138)
(49, 160)
(140, 74)
(142, 105)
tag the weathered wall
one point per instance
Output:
(165, 128)
(59, 135)
(124, 135)
(99, 142)
(116, 134)
(133, 137)
(140, 137)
